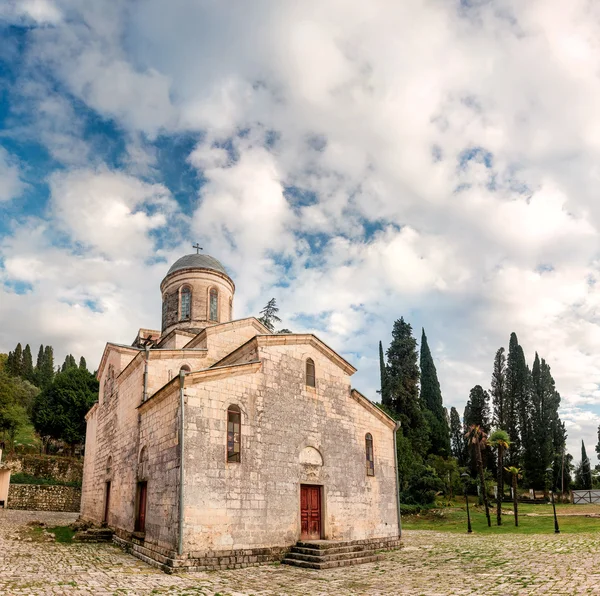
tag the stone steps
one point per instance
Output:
(94, 535)
(330, 554)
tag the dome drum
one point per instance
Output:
(197, 292)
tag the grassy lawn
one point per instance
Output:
(533, 519)
(26, 437)
(63, 534)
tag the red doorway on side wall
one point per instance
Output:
(310, 512)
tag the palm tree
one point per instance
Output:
(477, 437)
(500, 440)
(516, 473)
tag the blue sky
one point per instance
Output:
(361, 162)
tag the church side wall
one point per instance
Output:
(256, 503)
(88, 504)
(160, 469)
(118, 430)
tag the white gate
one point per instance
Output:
(581, 497)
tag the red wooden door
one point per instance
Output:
(140, 525)
(310, 512)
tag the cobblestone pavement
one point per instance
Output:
(430, 564)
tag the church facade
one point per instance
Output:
(216, 443)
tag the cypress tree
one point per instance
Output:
(10, 363)
(457, 436)
(68, 363)
(39, 364)
(586, 470)
(17, 364)
(46, 372)
(385, 397)
(477, 410)
(540, 449)
(499, 389)
(27, 369)
(82, 364)
(431, 400)
(516, 403)
(403, 378)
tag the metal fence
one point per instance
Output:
(580, 497)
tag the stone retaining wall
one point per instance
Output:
(62, 469)
(42, 497)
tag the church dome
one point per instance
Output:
(197, 261)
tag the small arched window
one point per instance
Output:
(213, 311)
(185, 368)
(186, 303)
(231, 309)
(310, 373)
(369, 455)
(234, 428)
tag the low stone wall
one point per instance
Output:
(63, 469)
(44, 497)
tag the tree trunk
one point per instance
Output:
(500, 485)
(515, 503)
(482, 481)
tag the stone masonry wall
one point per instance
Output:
(62, 469)
(35, 497)
(255, 503)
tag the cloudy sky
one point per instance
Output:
(359, 161)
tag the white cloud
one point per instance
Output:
(41, 12)
(11, 183)
(110, 211)
(444, 159)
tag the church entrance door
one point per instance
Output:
(310, 512)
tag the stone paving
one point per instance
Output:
(429, 564)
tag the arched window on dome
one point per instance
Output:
(185, 303)
(310, 373)
(234, 432)
(231, 309)
(213, 311)
(369, 455)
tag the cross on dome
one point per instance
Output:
(197, 247)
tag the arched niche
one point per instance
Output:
(310, 456)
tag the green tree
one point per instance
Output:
(269, 315)
(46, 371)
(16, 396)
(27, 371)
(403, 384)
(477, 409)
(477, 437)
(68, 363)
(17, 362)
(432, 403)
(498, 391)
(83, 363)
(586, 470)
(517, 399)
(385, 395)
(457, 435)
(500, 440)
(60, 409)
(540, 450)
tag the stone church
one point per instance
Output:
(216, 443)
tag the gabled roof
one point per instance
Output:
(367, 403)
(199, 376)
(287, 339)
(223, 327)
(121, 348)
